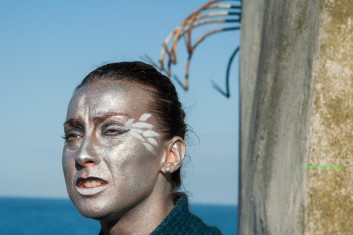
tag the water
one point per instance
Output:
(59, 216)
(223, 217)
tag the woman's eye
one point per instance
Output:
(72, 136)
(114, 130)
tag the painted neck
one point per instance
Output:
(146, 216)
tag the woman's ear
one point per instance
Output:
(174, 155)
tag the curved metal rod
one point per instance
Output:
(211, 33)
(230, 61)
(198, 42)
(217, 14)
(179, 31)
(172, 53)
(209, 13)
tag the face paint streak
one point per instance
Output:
(152, 141)
(150, 133)
(144, 117)
(145, 136)
(129, 122)
(149, 148)
(137, 135)
(139, 131)
(141, 125)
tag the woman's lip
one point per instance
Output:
(85, 182)
(91, 191)
(90, 185)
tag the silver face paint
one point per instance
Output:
(111, 162)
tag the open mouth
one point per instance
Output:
(90, 182)
(90, 186)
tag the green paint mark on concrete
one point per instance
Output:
(321, 167)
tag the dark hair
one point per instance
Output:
(166, 103)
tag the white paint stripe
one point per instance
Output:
(149, 148)
(152, 141)
(137, 135)
(145, 116)
(140, 131)
(142, 125)
(129, 122)
(150, 133)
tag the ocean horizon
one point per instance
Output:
(29, 216)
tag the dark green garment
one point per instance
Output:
(181, 222)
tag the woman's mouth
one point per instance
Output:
(90, 186)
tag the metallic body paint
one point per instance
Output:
(136, 187)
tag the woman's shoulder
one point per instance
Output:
(181, 221)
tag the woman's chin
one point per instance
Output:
(92, 212)
(89, 206)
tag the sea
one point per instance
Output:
(31, 216)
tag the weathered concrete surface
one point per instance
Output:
(329, 207)
(296, 108)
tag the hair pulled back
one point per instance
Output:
(165, 103)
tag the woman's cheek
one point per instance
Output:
(68, 164)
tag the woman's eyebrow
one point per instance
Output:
(101, 118)
(98, 119)
(72, 122)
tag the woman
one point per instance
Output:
(124, 146)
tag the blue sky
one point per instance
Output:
(47, 47)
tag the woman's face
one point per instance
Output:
(113, 151)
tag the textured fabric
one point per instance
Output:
(181, 222)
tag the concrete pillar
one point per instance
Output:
(296, 75)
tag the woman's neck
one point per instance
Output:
(143, 218)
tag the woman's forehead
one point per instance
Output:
(110, 96)
(113, 86)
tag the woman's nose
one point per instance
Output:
(87, 156)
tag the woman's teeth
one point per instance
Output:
(89, 187)
(92, 183)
